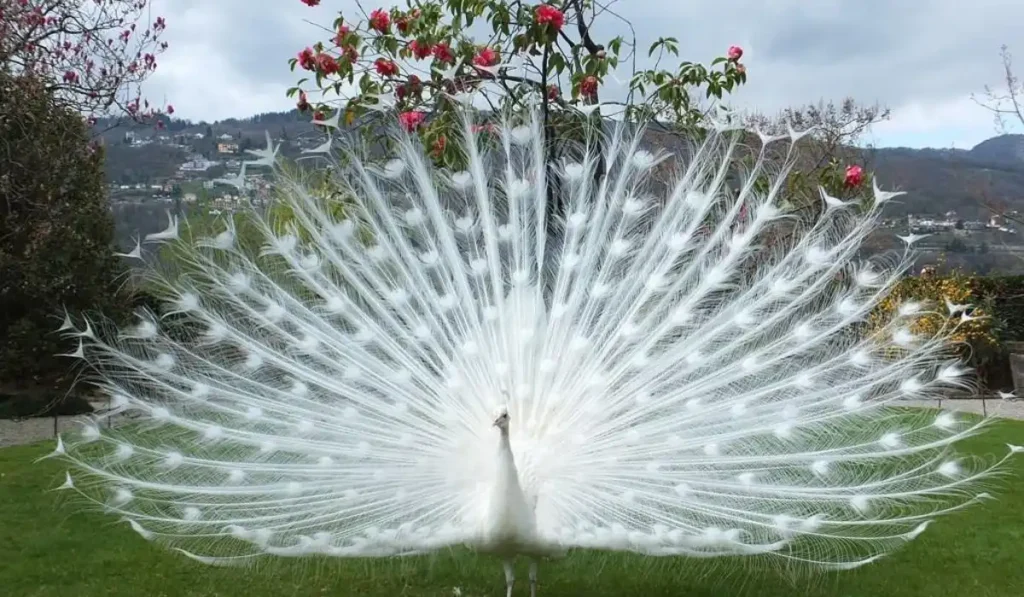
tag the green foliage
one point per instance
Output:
(430, 52)
(40, 403)
(1005, 294)
(957, 245)
(56, 232)
(998, 305)
(826, 153)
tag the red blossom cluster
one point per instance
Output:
(588, 86)
(545, 14)
(411, 120)
(420, 49)
(443, 53)
(385, 67)
(96, 53)
(395, 39)
(486, 57)
(380, 21)
(854, 176)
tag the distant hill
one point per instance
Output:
(936, 180)
(1004, 149)
(940, 180)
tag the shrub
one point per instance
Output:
(41, 404)
(56, 233)
(998, 310)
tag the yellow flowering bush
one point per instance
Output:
(977, 340)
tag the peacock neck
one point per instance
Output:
(506, 461)
(504, 445)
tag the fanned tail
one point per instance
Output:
(690, 368)
(332, 394)
(722, 384)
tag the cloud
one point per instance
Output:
(956, 122)
(229, 58)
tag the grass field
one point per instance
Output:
(49, 548)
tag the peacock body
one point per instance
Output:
(677, 372)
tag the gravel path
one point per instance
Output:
(992, 407)
(14, 433)
(29, 431)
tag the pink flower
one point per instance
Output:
(735, 53)
(307, 60)
(380, 21)
(410, 121)
(311, 2)
(170, 109)
(443, 53)
(549, 15)
(486, 57)
(385, 67)
(420, 51)
(588, 86)
(71, 77)
(854, 176)
(327, 64)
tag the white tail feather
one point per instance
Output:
(686, 370)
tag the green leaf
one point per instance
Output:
(615, 45)
(556, 63)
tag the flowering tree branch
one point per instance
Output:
(423, 60)
(830, 157)
(93, 55)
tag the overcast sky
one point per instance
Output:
(921, 58)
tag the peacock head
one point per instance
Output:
(501, 421)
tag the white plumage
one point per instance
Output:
(684, 371)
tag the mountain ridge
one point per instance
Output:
(937, 180)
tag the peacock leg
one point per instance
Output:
(533, 578)
(510, 577)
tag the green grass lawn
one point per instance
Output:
(48, 547)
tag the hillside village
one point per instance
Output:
(190, 167)
(208, 173)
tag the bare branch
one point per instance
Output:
(1005, 102)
